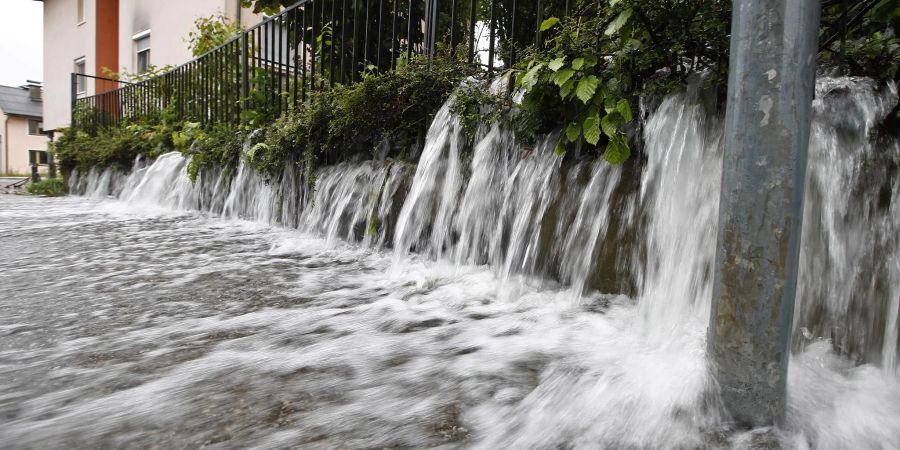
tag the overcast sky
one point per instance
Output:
(21, 41)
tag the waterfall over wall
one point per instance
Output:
(647, 228)
(849, 280)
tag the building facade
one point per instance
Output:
(22, 138)
(94, 37)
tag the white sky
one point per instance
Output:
(21, 41)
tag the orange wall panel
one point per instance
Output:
(107, 42)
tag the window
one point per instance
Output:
(80, 12)
(142, 51)
(80, 84)
(35, 127)
(38, 157)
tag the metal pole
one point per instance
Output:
(74, 96)
(770, 91)
(51, 163)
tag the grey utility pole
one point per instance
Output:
(771, 84)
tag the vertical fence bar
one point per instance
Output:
(268, 51)
(432, 40)
(472, 7)
(205, 89)
(343, 36)
(245, 73)
(453, 27)
(312, 71)
(540, 18)
(492, 26)
(332, 38)
(277, 26)
(303, 67)
(292, 54)
(216, 69)
(365, 61)
(393, 64)
(380, 30)
(512, 38)
(195, 92)
(353, 58)
(295, 59)
(426, 39)
(409, 28)
(322, 45)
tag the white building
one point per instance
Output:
(86, 36)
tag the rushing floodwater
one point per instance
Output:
(455, 305)
(121, 328)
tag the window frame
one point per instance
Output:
(35, 127)
(80, 82)
(139, 52)
(38, 155)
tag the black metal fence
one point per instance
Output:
(313, 45)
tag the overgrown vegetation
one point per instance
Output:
(51, 187)
(344, 123)
(583, 77)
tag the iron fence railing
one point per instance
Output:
(312, 45)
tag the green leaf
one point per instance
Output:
(617, 151)
(557, 63)
(566, 89)
(577, 63)
(560, 149)
(614, 2)
(609, 104)
(531, 77)
(624, 108)
(591, 128)
(573, 132)
(611, 123)
(618, 22)
(560, 77)
(549, 23)
(586, 88)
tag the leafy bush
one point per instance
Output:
(349, 122)
(51, 187)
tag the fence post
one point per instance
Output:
(245, 75)
(770, 90)
(74, 96)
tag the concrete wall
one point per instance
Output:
(15, 144)
(64, 41)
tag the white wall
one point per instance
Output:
(169, 22)
(64, 41)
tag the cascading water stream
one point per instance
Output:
(554, 224)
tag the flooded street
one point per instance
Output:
(121, 328)
(128, 329)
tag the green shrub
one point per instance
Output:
(51, 187)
